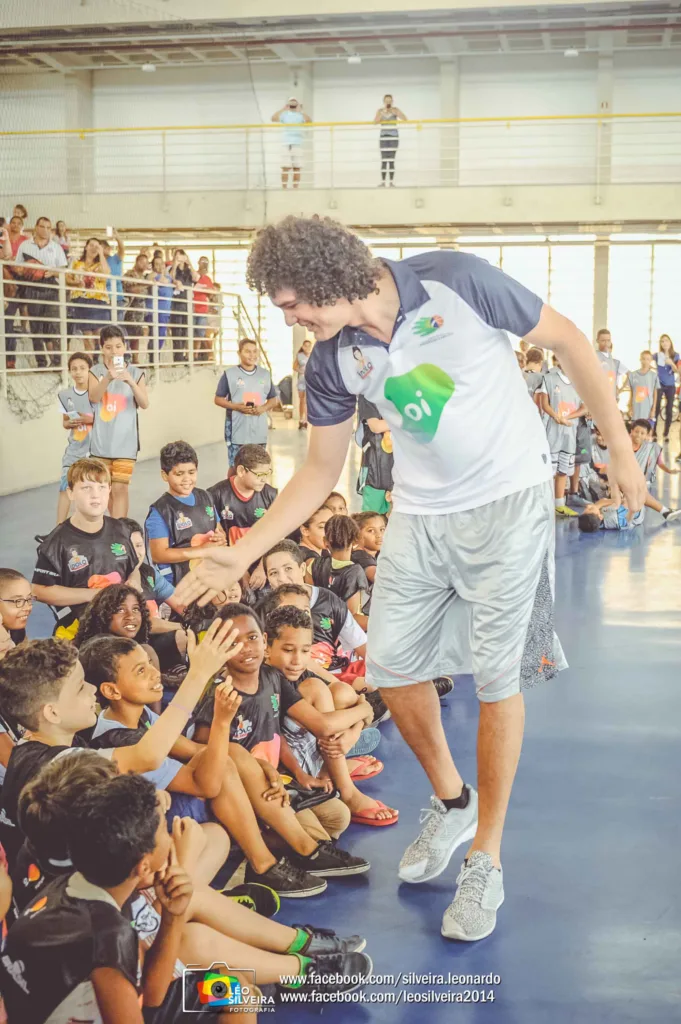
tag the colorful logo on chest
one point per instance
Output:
(420, 395)
(183, 522)
(118, 550)
(112, 406)
(325, 622)
(427, 325)
(77, 562)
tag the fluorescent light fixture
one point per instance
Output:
(148, 67)
(571, 52)
(354, 58)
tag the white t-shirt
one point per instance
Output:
(465, 431)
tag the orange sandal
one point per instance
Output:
(366, 817)
(357, 775)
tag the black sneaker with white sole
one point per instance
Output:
(337, 972)
(323, 941)
(329, 861)
(378, 706)
(255, 896)
(288, 880)
(443, 685)
(671, 514)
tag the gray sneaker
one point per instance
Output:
(472, 914)
(443, 830)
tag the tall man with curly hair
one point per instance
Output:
(468, 559)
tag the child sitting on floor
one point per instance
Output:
(335, 568)
(203, 780)
(183, 518)
(312, 540)
(337, 504)
(648, 452)
(266, 697)
(73, 952)
(288, 634)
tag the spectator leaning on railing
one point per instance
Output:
(13, 236)
(115, 264)
(203, 289)
(184, 276)
(43, 257)
(89, 310)
(136, 311)
(292, 143)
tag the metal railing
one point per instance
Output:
(45, 319)
(593, 149)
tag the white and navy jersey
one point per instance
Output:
(647, 457)
(463, 431)
(614, 368)
(563, 399)
(643, 387)
(53, 947)
(236, 513)
(71, 400)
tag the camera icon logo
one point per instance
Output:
(217, 989)
(212, 989)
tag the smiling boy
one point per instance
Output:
(86, 552)
(184, 518)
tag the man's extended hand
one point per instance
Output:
(218, 568)
(626, 478)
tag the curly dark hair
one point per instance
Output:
(31, 676)
(96, 619)
(284, 616)
(316, 257)
(176, 452)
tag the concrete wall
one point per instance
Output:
(31, 448)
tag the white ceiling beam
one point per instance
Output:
(51, 62)
(122, 60)
(284, 52)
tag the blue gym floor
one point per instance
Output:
(591, 927)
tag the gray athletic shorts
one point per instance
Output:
(468, 592)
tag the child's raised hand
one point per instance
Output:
(216, 648)
(227, 702)
(173, 886)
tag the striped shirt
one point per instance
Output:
(50, 255)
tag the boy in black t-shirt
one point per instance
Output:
(244, 498)
(336, 570)
(288, 632)
(86, 552)
(375, 481)
(335, 629)
(45, 811)
(43, 688)
(184, 518)
(203, 780)
(266, 697)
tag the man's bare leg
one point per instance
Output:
(416, 713)
(500, 739)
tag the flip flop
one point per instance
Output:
(358, 776)
(365, 817)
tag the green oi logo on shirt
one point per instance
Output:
(325, 623)
(420, 396)
(118, 549)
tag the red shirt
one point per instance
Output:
(200, 298)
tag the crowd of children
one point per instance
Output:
(170, 773)
(578, 453)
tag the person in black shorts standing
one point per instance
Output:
(389, 139)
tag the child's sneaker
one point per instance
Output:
(443, 830)
(323, 941)
(472, 915)
(564, 512)
(378, 706)
(255, 896)
(329, 861)
(335, 972)
(671, 514)
(288, 880)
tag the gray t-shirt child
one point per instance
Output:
(78, 447)
(115, 432)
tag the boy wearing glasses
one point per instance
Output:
(184, 518)
(16, 603)
(244, 498)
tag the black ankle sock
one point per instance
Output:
(460, 802)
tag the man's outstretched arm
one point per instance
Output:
(302, 496)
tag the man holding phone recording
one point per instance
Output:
(117, 390)
(292, 145)
(246, 392)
